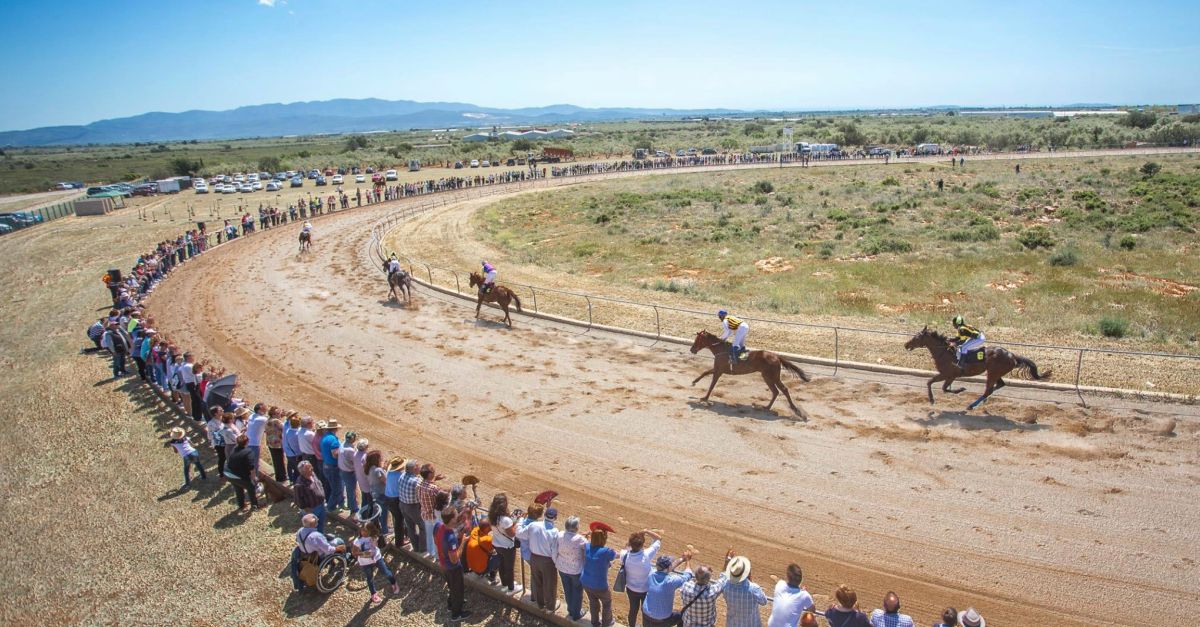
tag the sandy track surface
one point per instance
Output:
(1034, 512)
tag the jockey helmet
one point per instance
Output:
(722, 313)
(958, 321)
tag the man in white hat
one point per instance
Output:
(183, 446)
(742, 596)
(971, 618)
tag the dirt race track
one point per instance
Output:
(1034, 511)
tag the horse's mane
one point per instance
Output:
(937, 335)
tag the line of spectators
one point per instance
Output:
(403, 503)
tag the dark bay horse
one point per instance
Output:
(997, 363)
(498, 294)
(305, 240)
(769, 364)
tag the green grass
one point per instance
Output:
(901, 252)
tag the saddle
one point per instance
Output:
(976, 356)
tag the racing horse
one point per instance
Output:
(305, 240)
(997, 363)
(769, 364)
(398, 282)
(499, 294)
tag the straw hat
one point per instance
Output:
(396, 463)
(321, 424)
(971, 618)
(176, 433)
(738, 568)
(332, 423)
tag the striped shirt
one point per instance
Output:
(742, 600)
(703, 598)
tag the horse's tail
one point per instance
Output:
(1027, 364)
(794, 369)
(516, 299)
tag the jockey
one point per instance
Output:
(393, 265)
(732, 325)
(969, 338)
(489, 276)
(307, 227)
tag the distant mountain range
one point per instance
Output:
(351, 116)
(328, 116)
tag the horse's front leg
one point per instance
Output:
(716, 374)
(929, 385)
(946, 387)
(478, 304)
(702, 375)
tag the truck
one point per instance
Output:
(639, 153)
(414, 165)
(168, 186)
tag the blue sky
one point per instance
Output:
(77, 62)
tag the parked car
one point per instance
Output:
(661, 153)
(246, 188)
(511, 162)
(281, 176)
(458, 165)
(106, 191)
(360, 178)
(312, 174)
(328, 171)
(4, 228)
(708, 151)
(390, 175)
(145, 189)
(337, 179)
(21, 219)
(201, 187)
(274, 186)
(486, 163)
(474, 163)
(257, 185)
(320, 180)
(297, 181)
(370, 169)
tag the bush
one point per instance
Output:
(891, 180)
(1036, 237)
(983, 233)
(875, 246)
(764, 187)
(1128, 242)
(1150, 168)
(1113, 327)
(1138, 119)
(826, 250)
(1067, 257)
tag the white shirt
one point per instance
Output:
(500, 540)
(788, 605)
(569, 558)
(255, 428)
(183, 447)
(368, 551)
(638, 567)
(345, 457)
(213, 426)
(305, 440)
(186, 375)
(541, 536)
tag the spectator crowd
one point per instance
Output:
(402, 501)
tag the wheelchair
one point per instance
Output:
(327, 573)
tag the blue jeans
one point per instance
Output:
(350, 485)
(189, 461)
(334, 497)
(573, 593)
(319, 512)
(257, 454)
(369, 573)
(293, 468)
(118, 364)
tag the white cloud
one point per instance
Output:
(267, 3)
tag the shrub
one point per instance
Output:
(1150, 168)
(764, 187)
(1066, 257)
(1036, 237)
(1128, 242)
(826, 250)
(891, 180)
(984, 233)
(875, 246)
(1113, 327)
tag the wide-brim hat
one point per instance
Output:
(970, 618)
(545, 497)
(321, 424)
(241, 412)
(396, 463)
(470, 480)
(176, 433)
(738, 568)
(332, 423)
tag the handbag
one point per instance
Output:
(619, 582)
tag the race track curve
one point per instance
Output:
(1033, 512)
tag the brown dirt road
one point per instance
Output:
(1034, 512)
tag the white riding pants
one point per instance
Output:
(739, 336)
(970, 345)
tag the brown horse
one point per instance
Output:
(498, 294)
(997, 363)
(305, 240)
(399, 282)
(766, 362)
